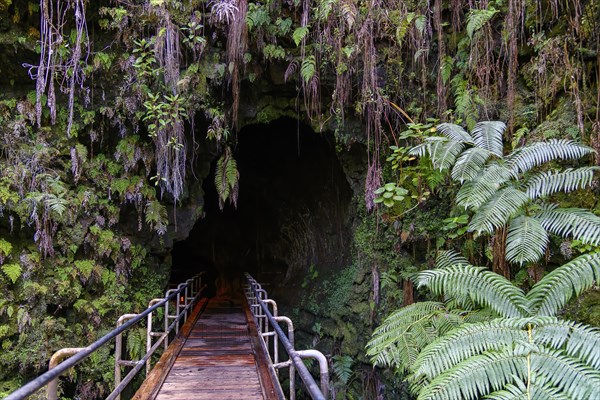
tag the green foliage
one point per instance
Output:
(389, 194)
(342, 368)
(12, 271)
(226, 178)
(474, 359)
(299, 34)
(308, 68)
(491, 186)
(478, 18)
(156, 216)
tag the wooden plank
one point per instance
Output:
(158, 374)
(221, 359)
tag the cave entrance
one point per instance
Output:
(291, 215)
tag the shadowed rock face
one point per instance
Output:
(293, 210)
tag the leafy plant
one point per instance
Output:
(519, 349)
(507, 194)
(12, 271)
(226, 178)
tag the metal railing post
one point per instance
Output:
(258, 301)
(119, 349)
(51, 390)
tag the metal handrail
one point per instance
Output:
(258, 301)
(77, 355)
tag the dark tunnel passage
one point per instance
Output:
(291, 215)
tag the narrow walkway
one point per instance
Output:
(218, 360)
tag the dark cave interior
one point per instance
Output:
(291, 211)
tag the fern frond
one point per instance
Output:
(547, 183)
(473, 194)
(535, 154)
(526, 240)
(553, 291)
(226, 178)
(576, 380)
(476, 19)
(488, 136)
(443, 154)
(535, 391)
(578, 223)
(448, 258)
(497, 211)
(476, 377)
(402, 335)
(454, 132)
(576, 340)
(465, 342)
(308, 68)
(290, 70)
(470, 163)
(483, 287)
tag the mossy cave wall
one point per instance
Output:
(307, 96)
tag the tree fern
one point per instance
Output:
(400, 337)
(483, 287)
(526, 240)
(535, 154)
(576, 340)
(550, 182)
(467, 341)
(575, 379)
(470, 163)
(553, 292)
(455, 132)
(444, 153)
(472, 194)
(496, 212)
(578, 223)
(476, 376)
(488, 136)
(528, 391)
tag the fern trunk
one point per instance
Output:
(499, 264)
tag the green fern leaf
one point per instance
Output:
(576, 340)
(156, 216)
(342, 367)
(466, 283)
(464, 342)
(552, 292)
(476, 376)
(535, 154)
(578, 223)
(475, 193)
(308, 68)
(533, 391)
(576, 380)
(446, 66)
(449, 258)
(470, 163)
(526, 240)
(455, 132)
(477, 20)
(547, 183)
(12, 271)
(444, 153)
(299, 34)
(226, 178)
(402, 335)
(488, 135)
(498, 210)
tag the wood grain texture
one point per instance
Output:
(217, 359)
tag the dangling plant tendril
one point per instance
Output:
(53, 66)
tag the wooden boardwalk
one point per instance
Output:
(221, 359)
